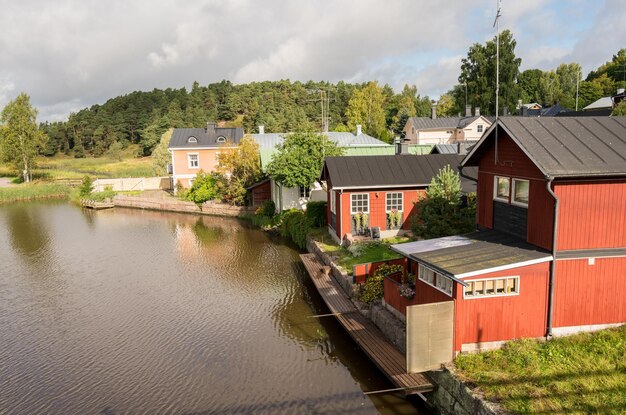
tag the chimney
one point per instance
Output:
(505, 111)
(477, 111)
(210, 127)
(461, 149)
(468, 110)
(261, 129)
(402, 147)
(524, 111)
(433, 110)
(359, 131)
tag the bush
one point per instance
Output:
(296, 226)
(85, 187)
(268, 208)
(375, 285)
(108, 193)
(316, 212)
(203, 188)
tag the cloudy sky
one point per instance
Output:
(70, 54)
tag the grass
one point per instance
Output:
(359, 253)
(68, 167)
(584, 373)
(33, 191)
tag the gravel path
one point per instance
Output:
(6, 182)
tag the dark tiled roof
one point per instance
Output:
(472, 254)
(180, 137)
(392, 171)
(565, 146)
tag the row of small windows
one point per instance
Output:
(359, 202)
(435, 279)
(194, 140)
(515, 191)
(492, 287)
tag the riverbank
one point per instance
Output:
(33, 191)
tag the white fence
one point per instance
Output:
(133, 183)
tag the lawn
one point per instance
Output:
(585, 373)
(67, 167)
(358, 253)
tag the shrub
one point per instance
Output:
(296, 226)
(85, 187)
(107, 193)
(375, 286)
(316, 212)
(268, 208)
(203, 188)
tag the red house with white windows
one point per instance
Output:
(380, 191)
(549, 257)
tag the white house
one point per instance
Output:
(446, 130)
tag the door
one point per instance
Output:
(429, 336)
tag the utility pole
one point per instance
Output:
(577, 82)
(324, 100)
(496, 23)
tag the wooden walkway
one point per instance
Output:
(369, 337)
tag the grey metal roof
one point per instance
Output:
(604, 102)
(180, 137)
(453, 148)
(272, 140)
(472, 254)
(565, 146)
(392, 171)
(424, 123)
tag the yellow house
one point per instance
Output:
(195, 149)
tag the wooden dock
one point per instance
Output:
(369, 337)
(92, 204)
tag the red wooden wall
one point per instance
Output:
(505, 317)
(590, 294)
(377, 215)
(261, 193)
(591, 215)
(362, 272)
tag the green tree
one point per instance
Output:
(242, 167)
(569, 76)
(615, 70)
(445, 106)
(529, 83)
(115, 151)
(300, 157)
(441, 212)
(478, 72)
(161, 156)
(620, 109)
(204, 188)
(20, 137)
(367, 108)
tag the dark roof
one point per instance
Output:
(595, 113)
(473, 254)
(180, 137)
(565, 146)
(552, 111)
(259, 183)
(453, 148)
(392, 171)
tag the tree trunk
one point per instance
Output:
(26, 172)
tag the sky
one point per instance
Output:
(70, 54)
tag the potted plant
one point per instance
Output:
(360, 222)
(406, 291)
(394, 218)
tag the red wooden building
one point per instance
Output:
(260, 192)
(549, 257)
(380, 191)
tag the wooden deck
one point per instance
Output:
(92, 204)
(369, 338)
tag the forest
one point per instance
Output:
(281, 106)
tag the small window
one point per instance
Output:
(360, 202)
(192, 140)
(479, 128)
(193, 179)
(305, 192)
(492, 287)
(449, 132)
(221, 139)
(333, 201)
(441, 282)
(502, 185)
(193, 160)
(520, 191)
(395, 201)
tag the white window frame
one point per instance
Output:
(304, 192)
(424, 274)
(333, 201)
(401, 199)
(221, 139)
(479, 128)
(197, 166)
(495, 294)
(352, 210)
(515, 202)
(192, 139)
(191, 180)
(495, 189)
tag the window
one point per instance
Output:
(449, 132)
(193, 179)
(192, 140)
(492, 287)
(479, 128)
(221, 139)
(520, 191)
(432, 278)
(305, 192)
(360, 203)
(394, 201)
(333, 201)
(193, 160)
(502, 185)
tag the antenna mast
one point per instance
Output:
(496, 24)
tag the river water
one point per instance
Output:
(137, 312)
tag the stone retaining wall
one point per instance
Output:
(174, 205)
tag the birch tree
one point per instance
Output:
(20, 137)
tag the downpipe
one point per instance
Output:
(553, 262)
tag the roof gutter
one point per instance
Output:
(553, 262)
